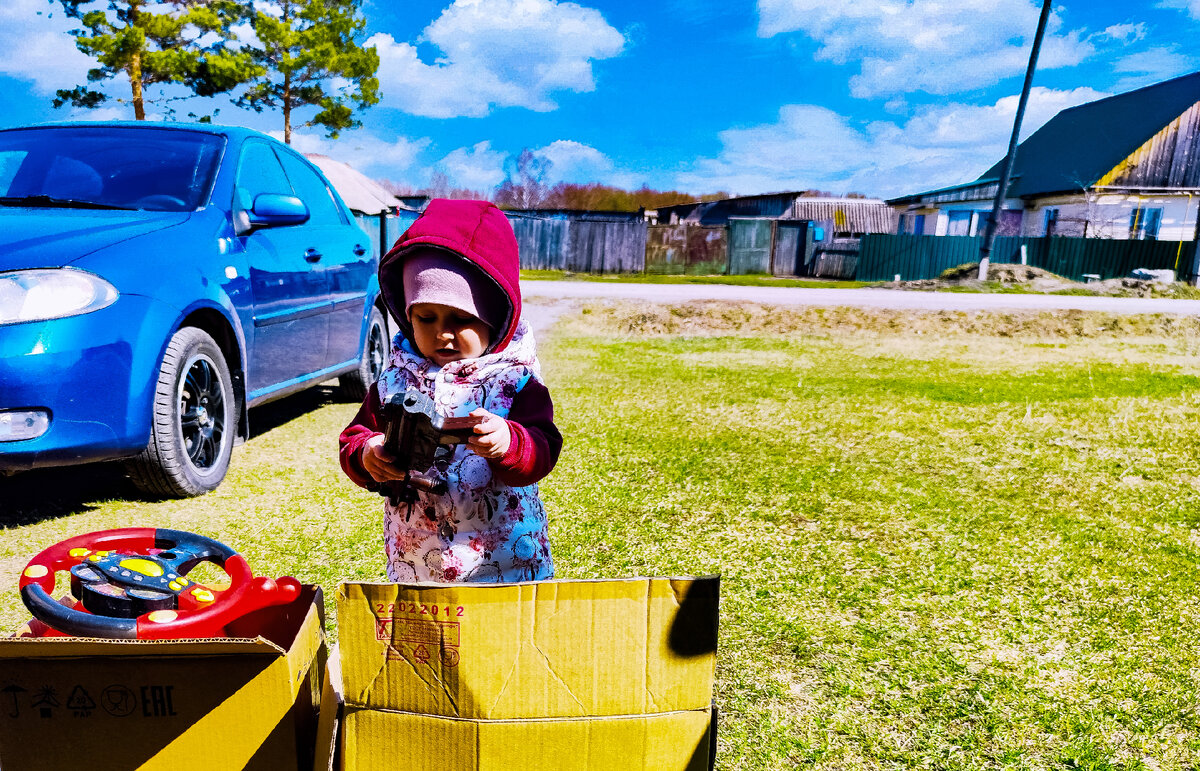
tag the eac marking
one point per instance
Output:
(156, 701)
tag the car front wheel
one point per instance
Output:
(353, 386)
(193, 425)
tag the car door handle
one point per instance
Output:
(312, 255)
(359, 250)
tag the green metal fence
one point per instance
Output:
(882, 257)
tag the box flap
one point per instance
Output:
(75, 647)
(235, 703)
(543, 649)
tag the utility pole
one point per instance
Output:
(989, 236)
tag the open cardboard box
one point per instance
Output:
(250, 702)
(554, 676)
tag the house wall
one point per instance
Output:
(1107, 215)
(969, 218)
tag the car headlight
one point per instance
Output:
(37, 295)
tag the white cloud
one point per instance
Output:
(35, 46)
(379, 158)
(496, 53)
(934, 46)
(477, 168)
(811, 147)
(1151, 65)
(1191, 7)
(575, 162)
(1126, 33)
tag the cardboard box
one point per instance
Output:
(555, 675)
(168, 704)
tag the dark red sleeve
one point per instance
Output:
(364, 426)
(536, 441)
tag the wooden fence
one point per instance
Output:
(883, 257)
(580, 246)
(785, 247)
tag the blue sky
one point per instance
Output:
(881, 97)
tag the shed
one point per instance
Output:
(361, 193)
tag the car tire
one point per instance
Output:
(353, 386)
(193, 424)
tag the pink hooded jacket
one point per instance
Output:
(477, 232)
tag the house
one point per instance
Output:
(1127, 166)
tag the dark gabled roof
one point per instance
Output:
(1079, 145)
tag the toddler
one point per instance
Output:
(452, 282)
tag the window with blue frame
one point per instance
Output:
(1144, 223)
(959, 223)
(1050, 222)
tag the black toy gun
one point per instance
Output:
(414, 434)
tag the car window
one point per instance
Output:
(259, 173)
(313, 191)
(135, 168)
(10, 161)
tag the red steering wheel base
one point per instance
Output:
(131, 583)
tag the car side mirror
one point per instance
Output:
(271, 211)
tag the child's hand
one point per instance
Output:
(493, 435)
(378, 462)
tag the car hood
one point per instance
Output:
(49, 238)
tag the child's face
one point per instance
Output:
(444, 334)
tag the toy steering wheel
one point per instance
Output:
(131, 584)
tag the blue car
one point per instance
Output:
(157, 281)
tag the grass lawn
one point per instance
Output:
(678, 278)
(946, 540)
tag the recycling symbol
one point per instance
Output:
(80, 701)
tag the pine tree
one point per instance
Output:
(158, 42)
(305, 44)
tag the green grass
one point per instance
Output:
(946, 540)
(652, 278)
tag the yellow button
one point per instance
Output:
(175, 586)
(203, 595)
(94, 558)
(162, 616)
(79, 552)
(36, 571)
(145, 567)
(183, 581)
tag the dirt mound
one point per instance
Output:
(720, 317)
(1026, 278)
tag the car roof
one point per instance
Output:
(232, 132)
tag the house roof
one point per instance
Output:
(1081, 144)
(361, 193)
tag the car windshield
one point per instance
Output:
(107, 167)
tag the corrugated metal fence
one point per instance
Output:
(580, 246)
(882, 257)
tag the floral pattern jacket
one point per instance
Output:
(482, 529)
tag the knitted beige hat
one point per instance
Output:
(435, 277)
